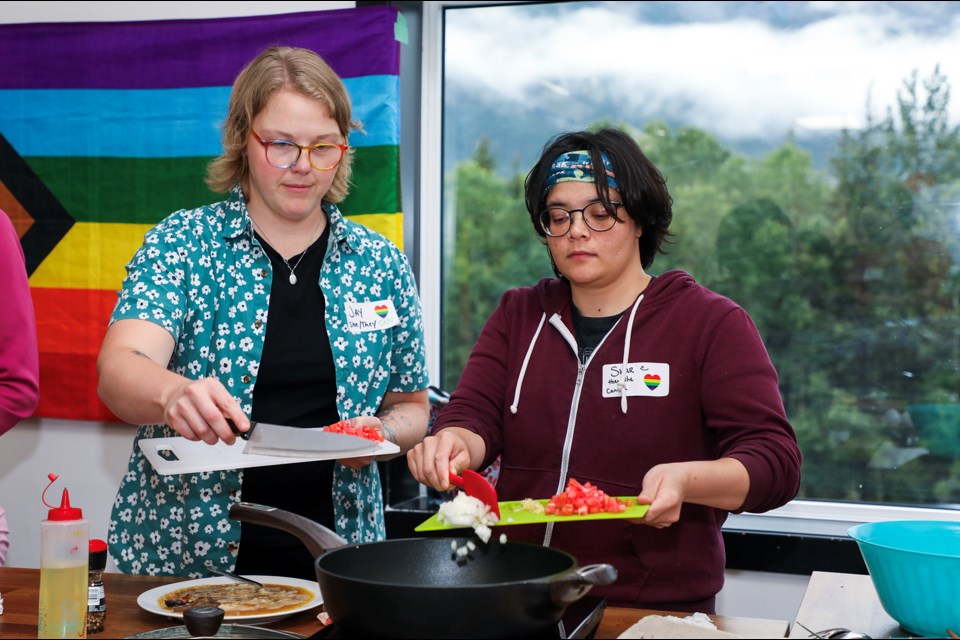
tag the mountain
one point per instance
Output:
(518, 131)
(519, 74)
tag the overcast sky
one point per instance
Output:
(793, 66)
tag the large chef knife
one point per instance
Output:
(295, 442)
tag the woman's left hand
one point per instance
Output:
(360, 422)
(664, 487)
(720, 484)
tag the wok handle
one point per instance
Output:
(314, 535)
(569, 588)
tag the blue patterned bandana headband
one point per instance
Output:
(575, 166)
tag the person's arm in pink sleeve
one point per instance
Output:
(19, 360)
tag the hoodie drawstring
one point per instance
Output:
(523, 368)
(626, 354)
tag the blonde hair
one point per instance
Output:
(276, 68)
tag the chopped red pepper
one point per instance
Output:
(346, 428)
(583, 499)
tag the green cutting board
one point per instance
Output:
(510, 513)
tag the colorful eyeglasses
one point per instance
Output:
(283, 154)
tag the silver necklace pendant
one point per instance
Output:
(293, 277)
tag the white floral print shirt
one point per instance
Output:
(202, 276)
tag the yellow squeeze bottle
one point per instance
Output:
(64, 554)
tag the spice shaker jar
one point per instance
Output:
(96, 595)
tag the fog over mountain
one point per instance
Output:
(519, 74)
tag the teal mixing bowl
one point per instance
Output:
(915, 567)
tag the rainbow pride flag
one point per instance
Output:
(107, 127)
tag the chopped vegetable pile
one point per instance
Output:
(468, 511)
(529, 504)
(346, 428)
(582, 499)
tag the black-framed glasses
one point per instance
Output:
(283, 154)
(599, 216)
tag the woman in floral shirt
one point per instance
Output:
(247, 309)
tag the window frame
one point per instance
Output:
(799, 517)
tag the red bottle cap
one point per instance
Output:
(65, 511)
(98, 555)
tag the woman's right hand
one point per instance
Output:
(198, 410)
(435, 457)
(136, 385)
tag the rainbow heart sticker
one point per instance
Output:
(652, 381)
(381, 310)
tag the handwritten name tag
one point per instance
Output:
(637, 379)
(371, 316)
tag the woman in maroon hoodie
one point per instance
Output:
(647, 386)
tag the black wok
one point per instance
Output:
(416, 588)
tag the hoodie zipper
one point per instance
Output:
(574, 406)
(575, 401)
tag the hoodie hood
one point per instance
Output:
(556, 299)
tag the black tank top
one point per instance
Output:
(590, 331)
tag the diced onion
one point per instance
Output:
(465, 510)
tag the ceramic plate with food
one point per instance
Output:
(242, 602)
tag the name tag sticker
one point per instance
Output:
(371, 316)
(637, 379)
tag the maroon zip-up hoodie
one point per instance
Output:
(693, 383)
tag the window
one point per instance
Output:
(813, 153)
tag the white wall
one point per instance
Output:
(90, 457)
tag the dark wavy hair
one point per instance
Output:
(643, 189)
